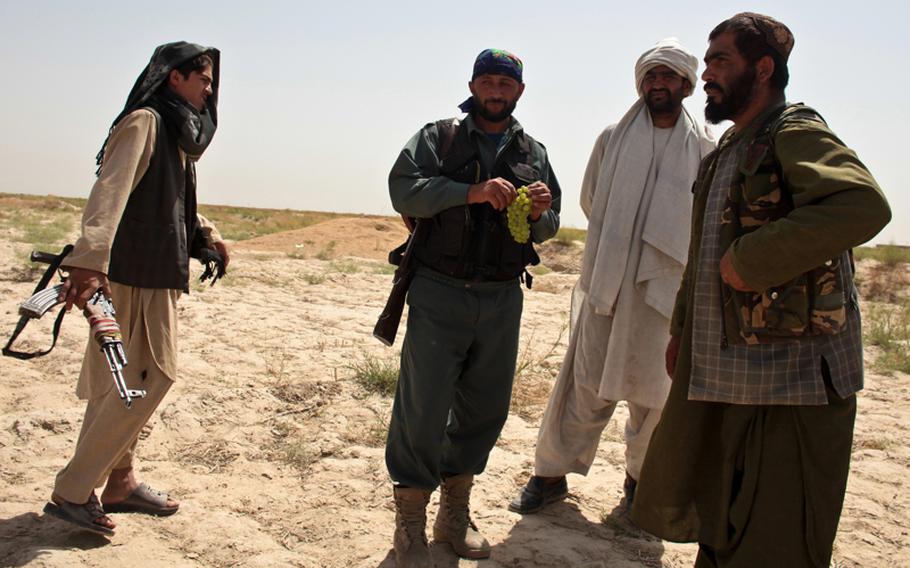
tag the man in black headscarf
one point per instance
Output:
(139, 229)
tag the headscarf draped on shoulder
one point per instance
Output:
(195, 129)
(615, 197)
(667, 52)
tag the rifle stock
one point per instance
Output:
(387, 325)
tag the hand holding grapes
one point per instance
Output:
(498, 192)
(541, 199)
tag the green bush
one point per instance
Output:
(375, 375)
(568, 235)
(889, 255)
(888, 327)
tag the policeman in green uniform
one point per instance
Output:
(457, 177)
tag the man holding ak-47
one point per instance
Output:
(139, 229)
(457, 177)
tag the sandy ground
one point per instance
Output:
(276, 453)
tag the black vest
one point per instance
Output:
(473, 242)
(151, 249)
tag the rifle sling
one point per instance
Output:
(23, 320)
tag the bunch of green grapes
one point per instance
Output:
(517, 214)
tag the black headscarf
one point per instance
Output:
(195, 129)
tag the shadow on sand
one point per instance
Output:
(442, 554)
(562, 537)
(29, 536)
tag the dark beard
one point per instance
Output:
(668, 106)
(505, 113)
(734, 101)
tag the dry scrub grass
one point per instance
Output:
(885, 283)
(213, 456)
(888, 328)
(241, 223)
(534, 374)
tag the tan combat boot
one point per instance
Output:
(410, 541)
(453, 522)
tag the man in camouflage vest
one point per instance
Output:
(752, 453)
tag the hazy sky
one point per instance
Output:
(317, 98)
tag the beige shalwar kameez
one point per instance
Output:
(147, 318)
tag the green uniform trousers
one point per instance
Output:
(455, 383)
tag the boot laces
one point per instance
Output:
(412, 521)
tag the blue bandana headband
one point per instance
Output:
(497, 62)
(494, 62)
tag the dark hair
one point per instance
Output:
(751, 42)
(197, 63)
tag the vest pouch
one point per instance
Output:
(828, 313)
(763, 200)
(523, 174)
(446, 239)
(780, 311)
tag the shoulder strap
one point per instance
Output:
(761, 148)
(24, 319)
(448, 128)
(777, 119)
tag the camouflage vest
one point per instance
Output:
(813, 303)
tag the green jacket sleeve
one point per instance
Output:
(548, 224)
(415, 185)
(837, 206)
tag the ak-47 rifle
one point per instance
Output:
(387, 325)
(99, 311)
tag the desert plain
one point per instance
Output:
(272, 437)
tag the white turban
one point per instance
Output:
(667, 52)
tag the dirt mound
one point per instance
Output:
(363, 237)
(374, 237)
(560, 256)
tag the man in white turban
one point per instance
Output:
(637, 196)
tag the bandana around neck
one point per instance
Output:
(194, 129)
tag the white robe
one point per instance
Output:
(637, 196)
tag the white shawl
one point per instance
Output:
(611, 199)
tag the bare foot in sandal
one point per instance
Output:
(89, 515)
(124, 494)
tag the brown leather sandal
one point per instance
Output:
(83, 516)
(145, 500)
